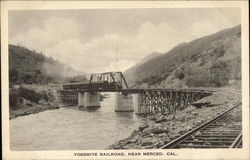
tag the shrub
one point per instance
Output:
(219, 51)
(220, 72)
(29, 94)
(197, 76)
(179, 74)
(13, 99)
(13, 75)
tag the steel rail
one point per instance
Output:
(180, 139)
(237, 141)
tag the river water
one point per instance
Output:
(69, 128)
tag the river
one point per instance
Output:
(69, 128)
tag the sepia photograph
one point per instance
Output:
(144, 79)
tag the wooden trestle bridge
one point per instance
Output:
(149, 101)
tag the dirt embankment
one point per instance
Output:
(155, 133)
(30, 99)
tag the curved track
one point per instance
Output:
(223, 131)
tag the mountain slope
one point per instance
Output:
(149, 57)
(27, 66)
(211, 61)
(130, 71)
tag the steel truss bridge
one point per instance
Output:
(154, 101)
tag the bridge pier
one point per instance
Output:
(139, 106)
(92, 99)
(123, 103)
(81, 99)
(88, 99)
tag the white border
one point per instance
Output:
(69, 154)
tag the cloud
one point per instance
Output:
(157, 37)
(120, 65)
(53, 31)
(113, 51)
(62, 38)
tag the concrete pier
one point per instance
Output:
(91, 99)
(139, 107)
(123, 103)
(88, 99)
(80, 99)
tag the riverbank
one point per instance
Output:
(31, 99)
(30, 110)
(157, 131)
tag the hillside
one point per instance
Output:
(143, 60)
(211, 61)
(27, 66)
(32, 79)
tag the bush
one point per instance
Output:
(16, 96)
(29, 94)
(197, 76)
(220, 72)
(199, 80)
(13, 99)
(219, 51)
(13, 75)
(179, 74)
(218, 75)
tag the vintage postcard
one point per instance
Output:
(125, 80)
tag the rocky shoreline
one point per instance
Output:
(157, 131)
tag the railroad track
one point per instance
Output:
(223, 131)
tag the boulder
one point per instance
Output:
(195, 113)
(162, 119)
(143, 126)
(134, 134)
(188, 128)
(170, 117)
(181, 117)
(166, 140)
(198, 133)
(144, 134)
(157, 130)
(42, 101)
(147, 141)
(171, 137)
(152, 118)
(29, 104)
(200, 104)
(133, 140)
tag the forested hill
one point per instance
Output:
(211, 61)
(27, 66)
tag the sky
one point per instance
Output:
(100, 40)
